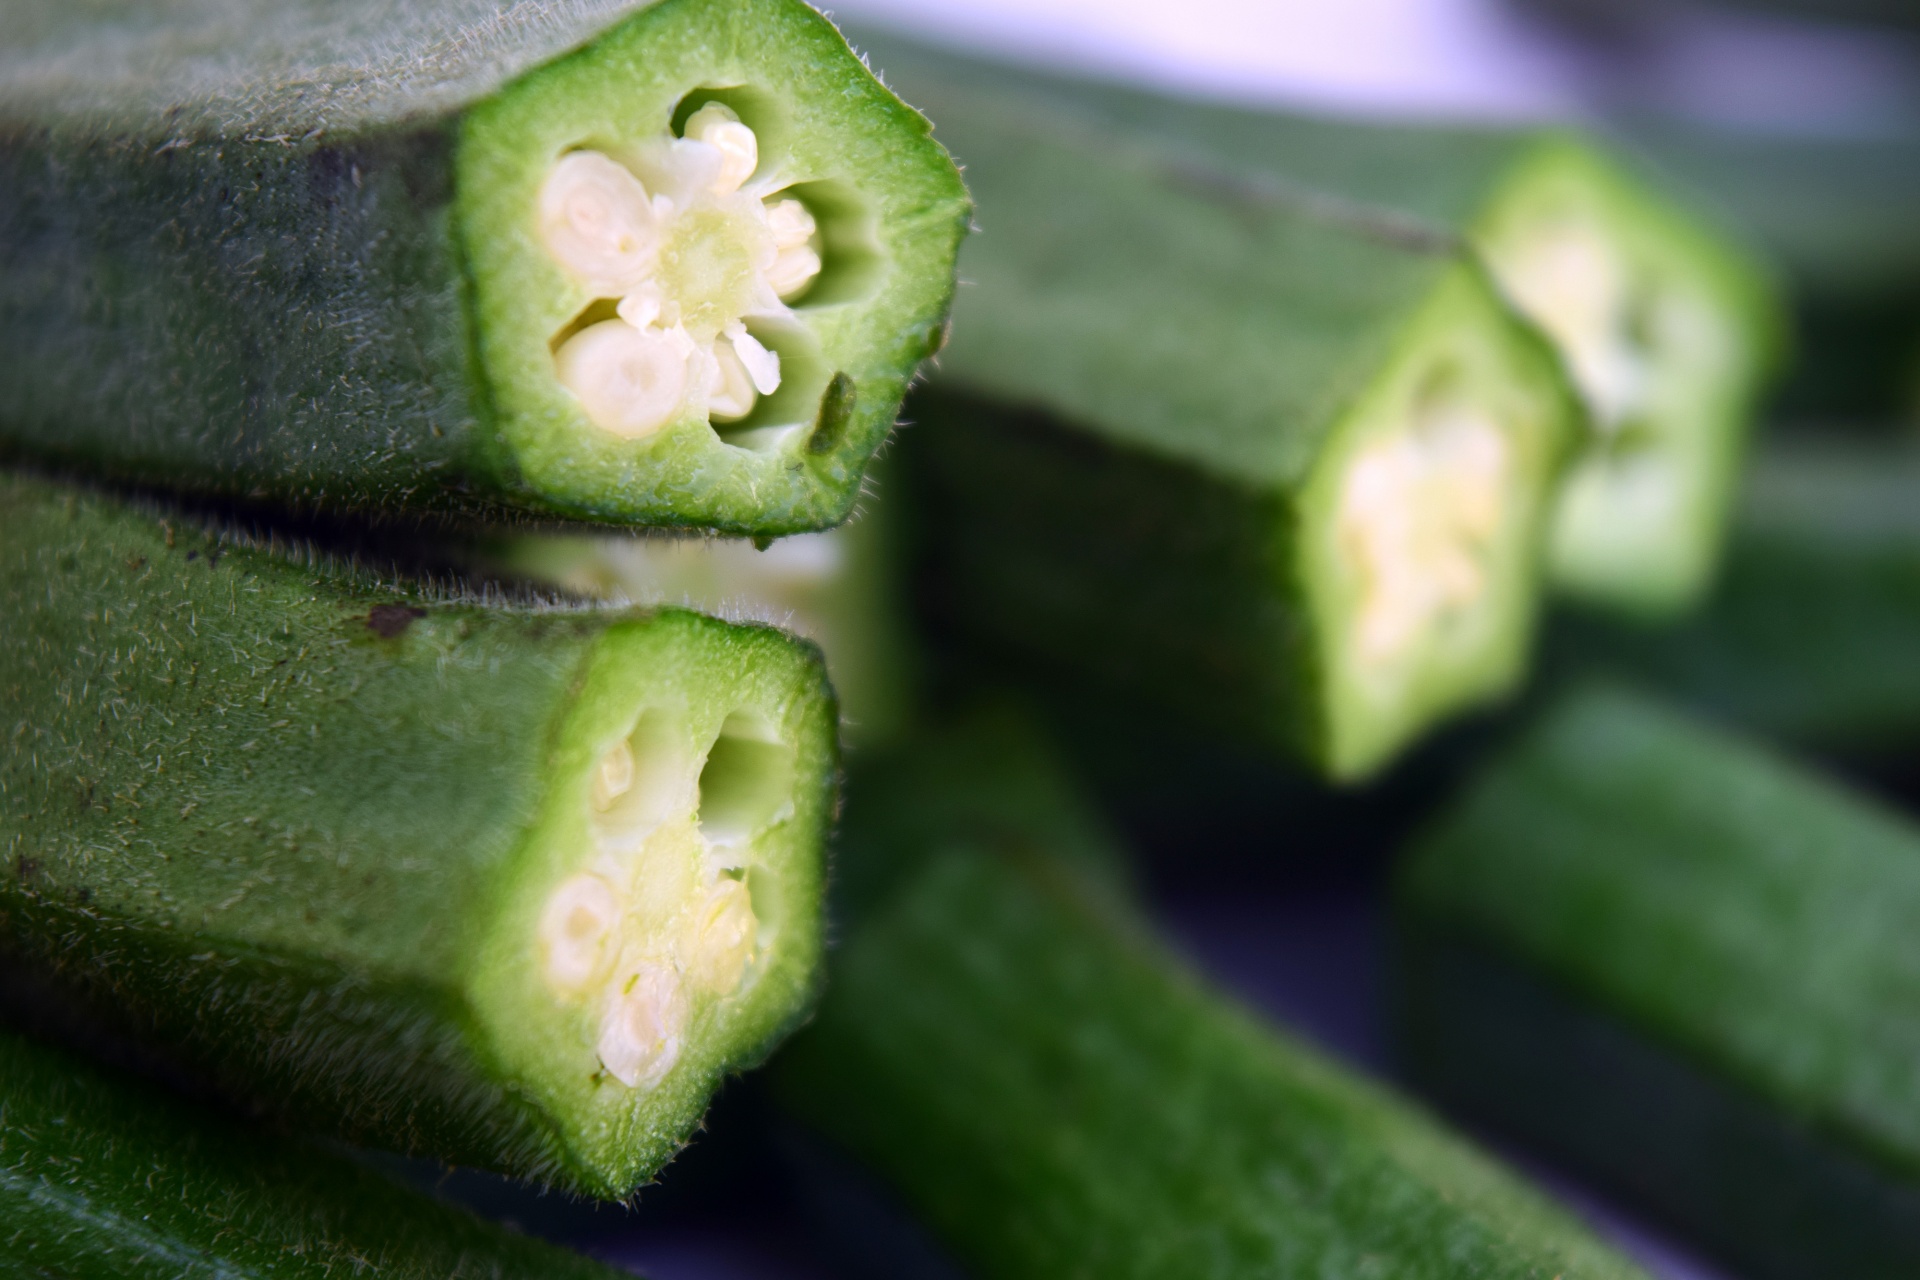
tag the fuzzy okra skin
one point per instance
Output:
(1811, 632)
(1666, 327)
(1282, 466)
(511, 887)
(1007, 1046)
(104, 1179)
(664, 264)
(1685, 966)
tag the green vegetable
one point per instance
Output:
(1665, 326)
(1812, 631)
(666, 264)
(511, 887)
(1685, 966)
(837, 588)
(1840, 217)
(103, 1179)
(1279, 466)
(1006, 1044)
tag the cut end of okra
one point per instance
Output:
(1422, 523)
(1667, 333)
(703, 270)
(667, 927)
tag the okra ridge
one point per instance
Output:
(702, 268)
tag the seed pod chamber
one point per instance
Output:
(662, 927)
(845, 182)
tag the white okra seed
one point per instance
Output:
(642, 1024)
(733, 394)
(719, 127)
(630, 381)
(598, 223)
(576, 927)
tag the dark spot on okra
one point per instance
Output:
(25, 868)
(836, 410)
(390, 620)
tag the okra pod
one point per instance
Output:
(664, 264)
(1811, 632)
(1009, 1048)
(1666, 327)
(508, 886)
(105, 1179)
(1278, 465)
(1683, 966)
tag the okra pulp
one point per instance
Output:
(508, 886)
(663, 264)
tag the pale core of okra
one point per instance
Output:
(661, 917)
(689, 247)
(1625, 338)
(1420, 510)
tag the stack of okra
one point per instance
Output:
(446, 541)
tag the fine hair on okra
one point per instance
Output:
(1667, 326)
(108, 1179)
(661, 264)
(1682, 966)
(511, 886)
(1034, 1076)
(1276, 463)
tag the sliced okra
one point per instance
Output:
(607, 266)
(513, 887)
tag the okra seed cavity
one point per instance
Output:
(659, 919)
(1571, 280)
(688, 248)
(1419, 512)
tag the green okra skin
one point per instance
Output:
(1009, 1048)
(1811, 631)
(1667, 328)
(664, 264)
(103, 1179)
(508, 886)
(1279, 466)
(1682, 965)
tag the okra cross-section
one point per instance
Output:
(1684, 966)
(102, 1178)
(510, 887)
(664, 264)
(1265, 462)
(1019, 1060)
(1667, 325)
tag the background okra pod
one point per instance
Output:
(1667, 326)
(1007, 1045)
(105, 1179)
(1682, 966)
(1279, 467)
(508, 886)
